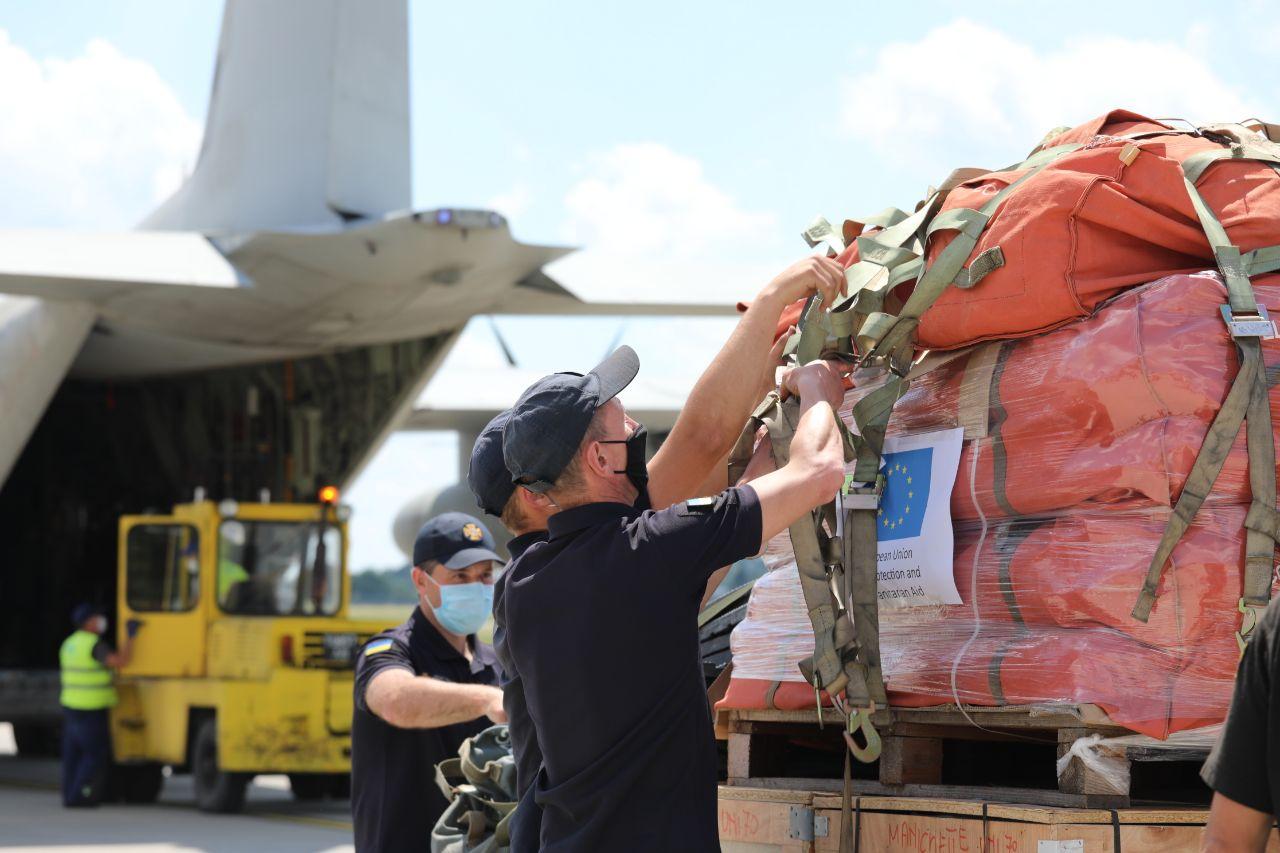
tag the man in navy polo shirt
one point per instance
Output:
(601, 619)
(689, 463)
(424, 687)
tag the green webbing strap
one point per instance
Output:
(813, 332)
(885, 218)
(1213, 453)
(885, 259)
(1260, 537)
(832, 570)
(871, 415)
(825, 669)
(821, 231)
(447, 770)
(987, 262)
(1248, 402)
(1195, 165)
(888, 337)
(1259, 261)
(860, 564)
(896, 254)
(740, 456)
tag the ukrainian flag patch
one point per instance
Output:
(377, 646)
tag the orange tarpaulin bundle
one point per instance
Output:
(1077, 443)
(1110, 213)
(1096, 444)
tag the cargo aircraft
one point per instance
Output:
(259, 334)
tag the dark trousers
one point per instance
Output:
(86, 750)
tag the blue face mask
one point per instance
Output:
(464, 607)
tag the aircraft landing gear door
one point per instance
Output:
(160, 585)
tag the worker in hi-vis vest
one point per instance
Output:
(86, 661)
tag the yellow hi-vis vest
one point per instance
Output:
(86, 684)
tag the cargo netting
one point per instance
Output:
(1077, 442)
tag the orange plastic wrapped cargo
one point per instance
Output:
(1085, 437)
(1094, 222)
(1109, 409)
(1043, 620)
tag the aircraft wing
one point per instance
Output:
(606, 282)
(541, 294)
(168, 300)
(95, 267)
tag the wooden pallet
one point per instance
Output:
(754, 820)
(911, 761)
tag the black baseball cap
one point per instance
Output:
(454, 539)
(487, 474)
(549, 420)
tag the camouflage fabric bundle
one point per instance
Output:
(480, 785)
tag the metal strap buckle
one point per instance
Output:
(1258, 325)
(860, 495)
(860, 718)
(1248, 621)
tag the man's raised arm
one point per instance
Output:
(727, 391)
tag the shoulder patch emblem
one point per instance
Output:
(700, 504)
(377, 646)
(472, 532)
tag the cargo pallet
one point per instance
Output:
(755, 820)
(1019, 743)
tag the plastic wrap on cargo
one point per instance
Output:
(1108, 756)
(1077, 442)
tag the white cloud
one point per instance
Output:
(965, 90)
(93, 141)
(655, 228)
(513, 203)
(642, 198)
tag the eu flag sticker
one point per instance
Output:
(906, 494)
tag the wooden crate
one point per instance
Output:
(757, 820)
(911, 762)
(909, 824)
(762, 821)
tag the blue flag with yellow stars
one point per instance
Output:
(906, 493)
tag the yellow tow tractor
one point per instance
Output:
(245, 659)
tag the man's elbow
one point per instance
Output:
(386, 709)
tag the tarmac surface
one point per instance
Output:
(32, 817)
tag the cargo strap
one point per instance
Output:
(890, 337)
(1248, 403)
(835, 551)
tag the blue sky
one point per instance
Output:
(704, 135)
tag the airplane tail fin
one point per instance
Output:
(308, 121)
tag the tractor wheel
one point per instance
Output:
(139, 783)
(38, 740)
(340, 786)
(308, 786)
(216, 789)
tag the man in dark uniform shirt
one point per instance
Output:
(1244, 767)
(689, 463)
(423, 688)
(601, 619)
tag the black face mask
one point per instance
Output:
(637, 469)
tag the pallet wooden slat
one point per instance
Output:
(760, 820)
(911, 762)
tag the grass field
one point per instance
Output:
(388, 614)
